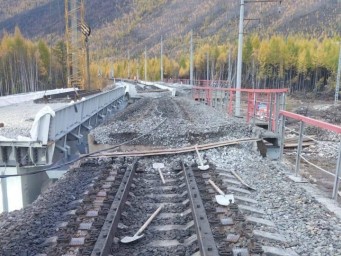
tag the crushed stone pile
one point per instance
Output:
(170, 122)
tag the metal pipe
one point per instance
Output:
(228, 102)
(254, 108)
(283, 101)
(278, 106)
(191, 61)
(337, 175)
(282, 137)
(161, 59)
(337, 87)
(270, 106)
(145, 64)
(299, 148)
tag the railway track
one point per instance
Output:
(79, 232)
(173, 230)
(121, 198)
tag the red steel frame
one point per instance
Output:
(316, 123)
(313, 122)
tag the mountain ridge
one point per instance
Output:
(136, 24)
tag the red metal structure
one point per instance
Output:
(317, 123)
(271, 100)
(311, 121)
(265, 105)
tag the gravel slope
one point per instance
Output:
(179, 121)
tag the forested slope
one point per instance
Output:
(139, 23)
(293, 44)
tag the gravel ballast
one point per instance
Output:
(178, 122)
(309, 227)
(24, 232)
(18, 118)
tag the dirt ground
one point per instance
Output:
(324, 152)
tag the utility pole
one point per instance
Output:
(50, 59)
(161, 60)
(72, 8)
(337, 87)
(86, 31)
(253, 73)
(240, 48)
(74, 24)
(208, 66)
(230, 70)
(128, 64)
(112, 72)
(191, 61)
(145, 64)
(240, 57)
(88, 63)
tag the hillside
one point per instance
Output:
(134, 24)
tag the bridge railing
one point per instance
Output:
(268, 105)
(68, 118)
(210, 83)
(50, 129)
(304, 121)
(257, 105)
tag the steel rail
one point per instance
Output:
(206, 241)
(105, 238)
(172, 151)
